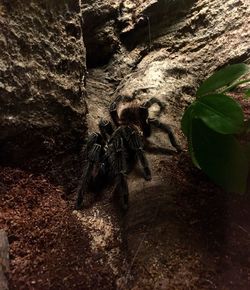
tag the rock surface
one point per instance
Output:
(42, 104)
(190, 50)
(175, 234)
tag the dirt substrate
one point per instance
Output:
(199, 238)
(48, 247)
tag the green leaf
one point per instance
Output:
(187, 120)
(186, 126)
(234, 85)
(190, 147)
(220, 113)
(222, 78)
(247, 151)
(221, 157)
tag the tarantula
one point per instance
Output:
(112, 153)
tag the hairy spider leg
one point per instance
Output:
(118, 162)
(137, 145)
(145, 126)
(83, 185)
(92, 155)
(93, 138)
(113, 113)
(152, 101)
(167, 129)
(106, 129)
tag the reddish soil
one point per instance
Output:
(48, 247)
(222, 221)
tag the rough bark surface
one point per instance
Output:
(42, 65)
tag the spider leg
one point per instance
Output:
(94, 138)
(143, 111)
(145, 126)
(92, 155)
(113, 113)
(136, 144)
(152, 101)
(118, 161)
(121, 187)
(105, 128)
(83, 185)
(167, 129)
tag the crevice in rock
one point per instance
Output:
(99, 36)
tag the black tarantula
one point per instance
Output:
(112, 153)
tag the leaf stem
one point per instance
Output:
(235, 85)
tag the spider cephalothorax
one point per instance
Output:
(125, 110)
(111, 154)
